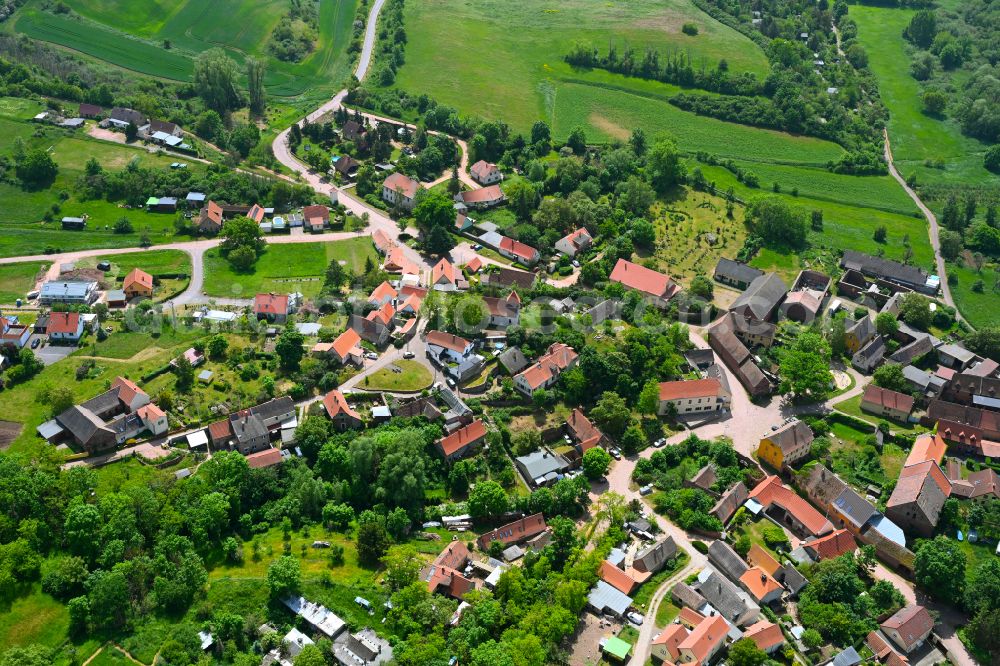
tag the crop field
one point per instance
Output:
(915, 136)
(505, 59)
(18, 279)
(285, 268)
(133, 35)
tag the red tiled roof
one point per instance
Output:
(643, 279)
(141, 278)
(832, 545)
(765, 634)
(762, 559)
(336, 404)
(771, 491)
(256, 213)
(876, 395)
(474, 264)
(585, 432)
(912, 480)
(927, 447)
(445, 269)
(212, 212)
(382, 293)
(266, 458)
(316, 211)
(220, 430)
(402, 183)
(127, 389)
(616, 578)
(691, 388)
(878, 645)
(383, 314)
(759, 583)
(482, 169)
(483, 194)
(559, 357)
(519, 530)
(150, 412)
(517, 248)
(671, 638)
(912, 622)
(270, 304)
(446, 340)
(579, 233)
(454, 555)
(64, 322)
(345, 342)
(463, 437)
(709, 633)
(382, 242)
(690, 616)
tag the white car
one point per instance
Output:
(408, 354)
(660, 442)
(371, 356)
(576, 264)
(616, 454)
(646, 490)
(635, 618)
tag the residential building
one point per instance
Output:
(575, 243)
(786, 445)
(830, 546)
(508, 277)
(505, 311)
(870, 356)
(726, 560)
(762, 587)
(735, 274)
(651, 559)
(347, 348)
(919, 496)
(985, 421)
(399, 189)
(730, 601)
(13, 334)
(138, 284)
(107, 420)
(693, 396)
(910, 277)
(585, 435)
(616, 578)
(65, 327)
(546, 370)
(909, 627)
(859, 333)
(518, 251)
(342, 415)
(443, 276)
(806, 298)
(316, 218)
(659, 287)
(730, 501)
(445, 347)
(382, 294)
(513, 360)
(761, 299)
(364, 648)
(923, 383)
(485, 173)
(444, 575)
(515, 532)
(275, 307)
(886, 403)
(739, 360)
(262, 459)
(788, 508)
(123, 117)
(373, 328)
(72, 293)
(666, 644)
(210, 217)
(767, 636)
(542, 467)
(974, 390)
(220, 434)
(249, 433)
(463, 441)
(483, 198)
(346, 165)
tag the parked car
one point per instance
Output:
(451, 383)
(660, 442)
(408, 354)
(635, 618)
(615, 453)
(646, 490)
(576, 264)
(371, 356)
(35, 343)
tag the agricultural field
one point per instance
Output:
(18, 279)
(526, 42)
(915, 136)
(285, 268)
(134, 37)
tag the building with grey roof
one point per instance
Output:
(513, 360)
(726, 560)
(730, 501)
(604, 598)
(606, 309)
(870, 356)
(848, 657)
(684, 595)
(73, 293)
(761, 299)
(955, 356)
(891, 271)
(731, 602)
(652, 558)
(926, 383)
(542, 466)
(735, 274)
(918, 347)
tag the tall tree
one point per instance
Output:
(256, 68)
(215, 77)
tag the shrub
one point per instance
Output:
(689, 29)
(774, 537)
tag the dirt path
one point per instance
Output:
(932, 230)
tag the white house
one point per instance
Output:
(400, 188)
(447, 347)
(485, 173)
(576, 242)
(65, 327)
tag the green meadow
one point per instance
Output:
(505, 59)
(133, 36)
(18, 279)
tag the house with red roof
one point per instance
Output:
(505, 311)
(65, 327)
(447, 347)
(585, 435)
(474, 265)
(930, 446)
(210, 218)
(693, 396)
(919, 496)
(518, 251)
(485, 173)
(766, 635)
(544, 372)
(342, 415)
(909, 627)
(265, 458)
(666, 644)
(382, 294)
(154, 418)
(399, 189)
(830, 546)
(704, 641)
(275, 307)
(616, 578)
(574, 243)
(316, 218)
(659, 287)
(347, 348)
(463, 441)
(520, 530)
(887, 404)
(483, 198)
(138, 283)
(788, 508)
(444, 575)
(443, 276)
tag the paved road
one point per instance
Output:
(932, 229)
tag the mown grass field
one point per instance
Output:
(980, 309)
(413, 377)
(284, 268)
(132, 36)
(505, 59)
(18, 279)
(915, 136)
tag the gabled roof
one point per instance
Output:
(765, 634)
(482, 169)
(384, 314)
(876, 395)
(518, 249)
(447, 340)
(513, 360)
(463, 437)
(735, 271)
(443, 269)
(474, 264)
(832, 545)
(671, 638)
(382, 293)
(64, 322)
(519, 530)
(770, 491)
(912, 623)
(401, 182)
(345, 342)
(271, 304)
(915, 481)
(150, 412)
(930, 446)
(643, 279)
(617, 578)
(578, 238)
(483, 194)
(265, 458)
(730, 501)
(762, 296)
(726, 560)
(138, 277)
(791, 436)
(582, 430)
(559, 358)
(762, 559)
(336, 405)
(690, 389)
(705, 637)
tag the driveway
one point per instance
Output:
(49, 354)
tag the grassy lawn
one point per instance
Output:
(34, 618)
(666, 612)
(125, 345)
(981, 309)
(645, 593)
(852, 407)
(116, 32)
(134, 474)
(16, 280)
(285, 268)
(414, 377)
(154, 262)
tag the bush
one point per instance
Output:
(689, 29)
(700, 546)
(992, 158)
(774, 537)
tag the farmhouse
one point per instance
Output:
(518, 251)
(909, 627)
(806, 298)
(886, 403)
(693, 396)
(789, 508)
(735, 274)
(786, 445)
(660, 288)
(575, 243)
(761, 299)
(275, 307)
(210, 218)
(399, 189)
(463, 441)
(484, 197)
(343, 417)
(737, 357)
(918, 498)
(546, 370)
(910, 277)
